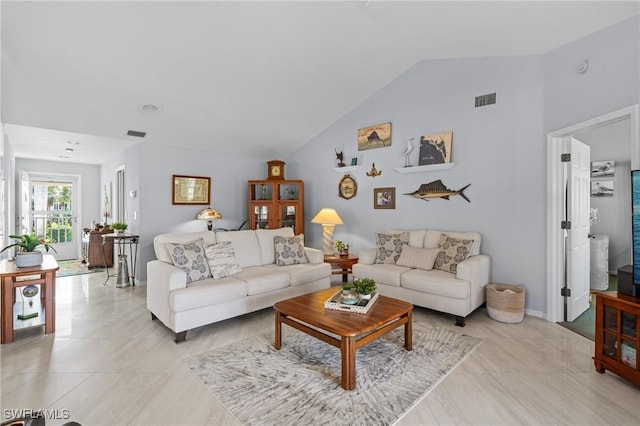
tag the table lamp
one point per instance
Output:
(328, 218)
(209, 215)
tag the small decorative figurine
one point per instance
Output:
(340, 158)
(374, 172)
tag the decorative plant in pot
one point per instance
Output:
(343, 248)
(28, 256)
(365, 287)
(119, 227)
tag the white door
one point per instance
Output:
(578, 203)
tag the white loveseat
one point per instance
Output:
(413, 277)
(182, 306)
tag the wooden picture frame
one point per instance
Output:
(378, 136)
(384, 198)
(191, 190)
(347, 188)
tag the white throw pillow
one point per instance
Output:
(289, 250)
(191, 259)
(415, 257)
(451, 251)
(390, 246)
(222, 259)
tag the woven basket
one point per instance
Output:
(505, 303)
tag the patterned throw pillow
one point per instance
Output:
(390, 246)
(190, 258)
(222, 259)
(451, 252)
(289, 250)
(415, 257)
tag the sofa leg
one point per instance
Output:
(181, 337)
(153, 316)
(460, 321)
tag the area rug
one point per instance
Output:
(74, 267)
(300, 384)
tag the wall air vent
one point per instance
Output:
(485, 100)
(136, 134)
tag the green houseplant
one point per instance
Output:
(119, 226)
(343, 248)
(28, 256)
(365, 286)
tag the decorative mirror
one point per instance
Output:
(347, 187)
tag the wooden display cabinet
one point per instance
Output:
(94, 250)
(617, 338)
(276, 204)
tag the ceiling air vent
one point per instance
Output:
(485, 100)
(136, 134)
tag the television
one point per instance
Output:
(635, 224)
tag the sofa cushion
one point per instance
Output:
(414, 257)
(384, 273)
(390, 246)
(265, 241)
(160, 242)
(304, 274)
(263, 279)
(221, 259)
(451, 252)
(432, 239)
(436, 282)
(190, 257)
(289, 250)
(206, 293)
(416, 236)
(245, 245)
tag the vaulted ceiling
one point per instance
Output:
(250, 78)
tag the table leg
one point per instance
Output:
(278, 338)
(7, 310)
(49, 303)
(345, 275)
(408, 334)
(348, 352)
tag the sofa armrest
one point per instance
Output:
(314, 255)
(476, 270)
(368, 256)
(162, 278)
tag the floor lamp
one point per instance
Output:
(328, 218)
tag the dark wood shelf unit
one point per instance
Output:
(276, 204)
(94, 250)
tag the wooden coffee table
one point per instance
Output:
(307, 314)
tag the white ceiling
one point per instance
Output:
(251, 78)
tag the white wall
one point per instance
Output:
(498, 149)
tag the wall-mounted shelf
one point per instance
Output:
(429, 168)
(346, 169)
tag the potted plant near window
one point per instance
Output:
(28, 256)
(365, 287)
(343, 248)
(119, 227)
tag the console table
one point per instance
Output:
(13, 277)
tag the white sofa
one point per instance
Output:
(182, 306)
(458, 293)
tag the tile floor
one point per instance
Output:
(109, 364)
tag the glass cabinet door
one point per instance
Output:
(288, 216)
(261, 192)
(261, 217)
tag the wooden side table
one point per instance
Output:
(341, 265)
(45, 275)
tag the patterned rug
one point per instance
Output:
(75, 267)
(300, 384)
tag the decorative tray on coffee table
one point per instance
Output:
(361, 307)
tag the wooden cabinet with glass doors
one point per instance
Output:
(275, 204)
(617, 337)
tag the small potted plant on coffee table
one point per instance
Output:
(119, 227)
(28, 256)
(343, 248)
(366, 287)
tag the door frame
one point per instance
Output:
(556, 143)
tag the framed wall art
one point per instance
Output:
(377, 136)
(191, 190)
(347, 188)
(384, 198)
(603, 168)
(603, 188)
(435, 148)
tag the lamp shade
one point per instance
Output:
(327, 216)
(209, 214)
